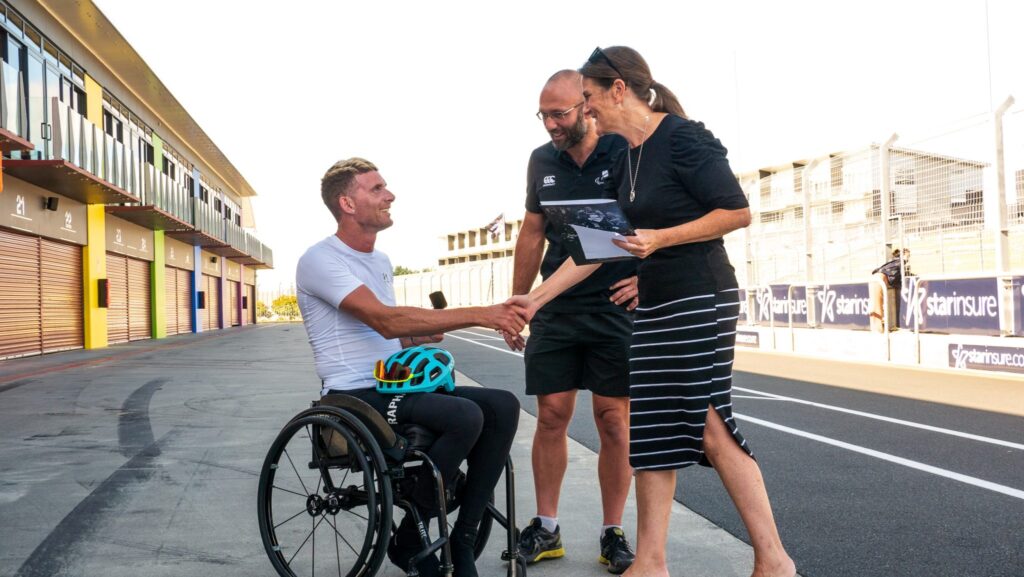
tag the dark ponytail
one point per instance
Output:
(666, 101)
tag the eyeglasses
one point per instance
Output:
(600, 53)
(557, 115)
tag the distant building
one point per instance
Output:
(479, 244)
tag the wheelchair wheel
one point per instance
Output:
(325, 498)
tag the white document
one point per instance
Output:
(597, 244)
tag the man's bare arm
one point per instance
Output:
(529, 251)
(396, 322)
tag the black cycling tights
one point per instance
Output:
(472, 424)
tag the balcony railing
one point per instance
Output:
(13, 119)
(207, 220)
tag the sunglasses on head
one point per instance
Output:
(599, 54)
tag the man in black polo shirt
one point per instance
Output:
(580, 340)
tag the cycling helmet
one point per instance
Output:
(416, 370)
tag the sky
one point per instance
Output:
(441, 95)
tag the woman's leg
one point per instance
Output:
(654, 493)
(742, 479)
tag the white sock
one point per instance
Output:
(549, 523)
(604, 528)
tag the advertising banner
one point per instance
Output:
(1004, 359)
(843, 306)
(773, 304)
(750, 339)
(964, 306)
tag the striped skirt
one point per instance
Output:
(680, 364)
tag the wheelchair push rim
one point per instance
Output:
(324, 500)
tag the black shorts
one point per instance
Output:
(568, 351)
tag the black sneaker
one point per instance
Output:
(537, 543)
(615, 551)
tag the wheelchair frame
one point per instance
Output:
(359, 441)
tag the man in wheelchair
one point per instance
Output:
(346, 296)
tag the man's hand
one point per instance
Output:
(525, 304)
(505, 317)
(642, 244)
(625, 292)
(514, 341)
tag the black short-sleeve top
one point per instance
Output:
(554, 175)
(682, 175)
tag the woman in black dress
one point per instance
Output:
(676, 187)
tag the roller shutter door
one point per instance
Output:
(20, 299)
(117, 307)
(211, 320)
(139, 297)
(236, 319)
(61, 287)
(128, 316)
(184, 300)
(179, 301)
(171, 300)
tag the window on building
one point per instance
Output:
(146, 151)
(238, 219)
(204, 194)
(216, 204)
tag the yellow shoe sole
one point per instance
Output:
(552, 554)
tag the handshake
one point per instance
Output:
(510, 318)
(520, 309)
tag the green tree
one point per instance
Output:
(286, 306)
(263, 311)
(400, 270)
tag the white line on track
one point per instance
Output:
(891, 458)
(490, 337)
(504, 350)
(973, 437)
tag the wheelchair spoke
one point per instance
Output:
(289, 518)
(296, 472)
(289, 491)
(306, 540)
(333, 526)
(337, 550)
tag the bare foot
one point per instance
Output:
(784, 568)
(639, 570)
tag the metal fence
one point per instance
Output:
(953, 196)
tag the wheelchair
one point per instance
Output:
(331, 480)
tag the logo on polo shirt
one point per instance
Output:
(601, 179)
(549, 181)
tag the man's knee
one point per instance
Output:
(611, 415)
(467, 421)
(554, 413)
(505, 408)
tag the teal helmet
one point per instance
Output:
(416, 370)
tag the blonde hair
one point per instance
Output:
(338, 179)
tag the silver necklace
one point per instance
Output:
(629, 162)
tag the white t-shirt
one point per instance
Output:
(344, 348)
